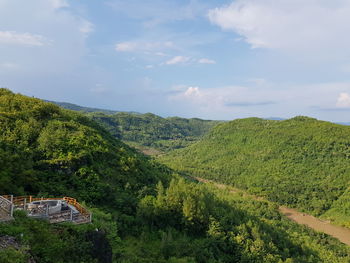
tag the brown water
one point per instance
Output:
(341, 233)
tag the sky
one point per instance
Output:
(220, 59)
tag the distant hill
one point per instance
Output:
(149, 130)
(150, 133)
(300, 162)
(75, 107)
(343, 123)
(142, 211)
(274, 118)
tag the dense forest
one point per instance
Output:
(142, 210)
(301, 162)
(148, 132)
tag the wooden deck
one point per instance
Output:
(75, 213)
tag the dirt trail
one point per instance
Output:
(341, 233)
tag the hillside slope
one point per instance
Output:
(141, 214)
(301, 162)
(45, 149)
(150, 130)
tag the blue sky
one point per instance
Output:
(219, 59)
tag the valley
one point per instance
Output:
(148, 209)
(148, 132)
(301, 162)
(174, 131)
(341, 233)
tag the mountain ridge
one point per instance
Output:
(301, 162)
(142, 210)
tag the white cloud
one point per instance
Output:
(273, 100)
(161, 54)
(86, 27)
(313, 25)
(125, 47)
(177, 60)
(216, 99)
(144, 46)
(57, 37)
(343, 100)
(26, 39)
(9, 66)
(57, 4)
(192, 92)
(206, 61)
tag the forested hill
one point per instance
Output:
(148, 130)
(141, 213)
(300, 162)
(52, 150)
(153, 131)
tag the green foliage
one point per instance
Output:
(180, 207)
(50, 151)
(11, 255)
(301, 162)
(340, 210)
(139, 214)
(50, 243)
(188, 221)
(149, 130)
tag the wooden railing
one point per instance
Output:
(84, 215)
(20, 202)
(72, 201)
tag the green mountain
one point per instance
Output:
(141, 211)
(149, 130)
(301, 162)
(51, 150)
(75, 107)
(48, 151)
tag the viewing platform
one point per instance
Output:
(55, 210)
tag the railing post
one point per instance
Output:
(12, 206)
(30, 199)
(11, 213)
(25, 204)
(90, 219)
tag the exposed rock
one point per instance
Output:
(11, 242)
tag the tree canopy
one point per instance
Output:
(301, 162)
